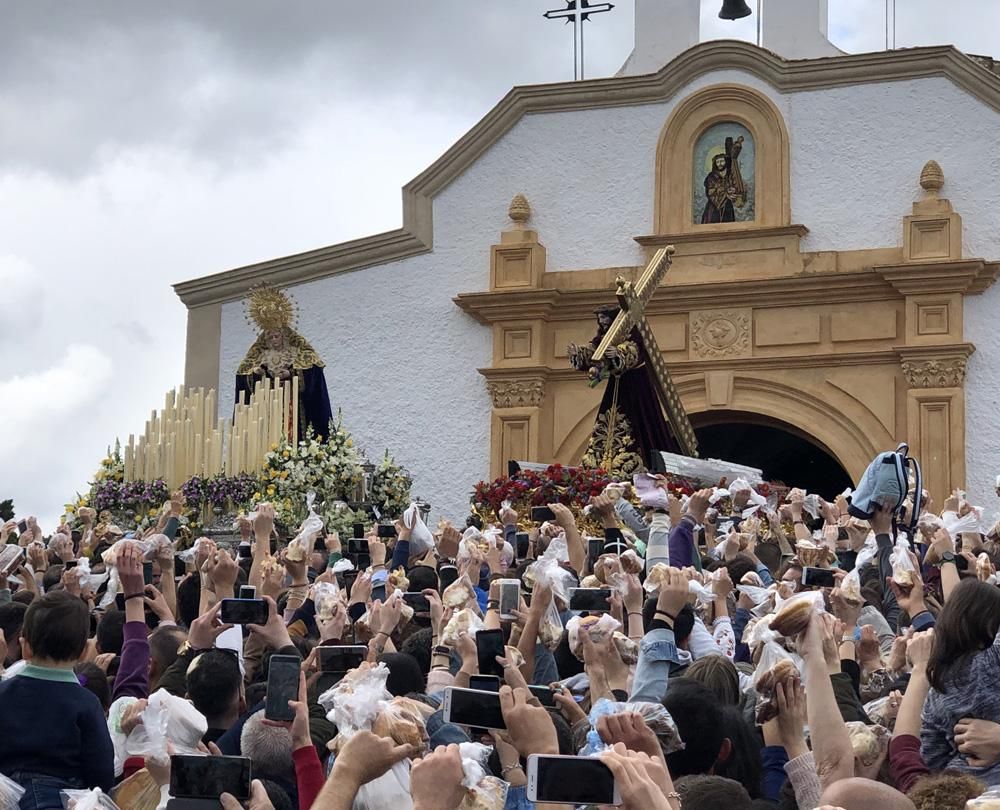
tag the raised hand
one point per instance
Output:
(529, 727)
(436, 780)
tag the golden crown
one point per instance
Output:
(269, 308)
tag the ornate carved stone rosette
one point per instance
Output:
(723, 333)
(516, 393)
(945, 373)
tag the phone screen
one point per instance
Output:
(489, 644)
(447, 574)
(180, 568)
(244, 611)
(198, 777)
(510, 597)
(818, 577)
(69, 564)
(466, 707)
(243, 551)
(523, 543)
(545, 696)
(417, 601)
(590, 599)
(22, 526)
(484, 683)
(248, 592)
(571, 780)
(359, 531)
(10, 558)
(385, 530)
(595, 545)
(539, 514)
(282, 686)
(341, 659)
(147, 573)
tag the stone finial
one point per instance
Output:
(931, 177)
(519, 210)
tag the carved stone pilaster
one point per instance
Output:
(516, 393)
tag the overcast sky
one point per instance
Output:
(144, 143)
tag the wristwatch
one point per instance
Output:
(947, 557)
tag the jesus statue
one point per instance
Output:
(630, 426)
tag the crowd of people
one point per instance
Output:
(731, 653)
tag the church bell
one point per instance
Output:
(734, 10)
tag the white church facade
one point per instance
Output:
(836, 222)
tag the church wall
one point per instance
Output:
(856, 153)
(982, 397)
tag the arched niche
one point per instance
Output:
(675, 158)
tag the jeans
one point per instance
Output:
(41, 792)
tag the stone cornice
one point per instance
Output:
(416, 234)
(969, 276)
(718, 234)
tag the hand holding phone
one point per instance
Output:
(489, 644)
(540, 514)
(244, 611)
(571, 780)
(818, 577)
(199, 777)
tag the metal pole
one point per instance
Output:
(887, 24)
(758, 23)
(576, 57)
(581, 48)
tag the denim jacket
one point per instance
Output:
(656, 653)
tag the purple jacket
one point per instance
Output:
(133, 670)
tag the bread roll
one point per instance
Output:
(793, 618)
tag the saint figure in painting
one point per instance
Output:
(280, 353)
(724, 185)
(630, 426)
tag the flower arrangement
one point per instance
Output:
(573, 486)
(390, 487)
(235, 490)
(329, 468)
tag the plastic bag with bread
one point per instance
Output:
(484, 791)
(792, 617)
(462, 621)
(902, 565)
(776, 666)
(459, 594)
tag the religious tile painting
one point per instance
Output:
(724, 162)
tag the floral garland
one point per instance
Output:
(390, 487)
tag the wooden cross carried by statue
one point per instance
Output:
(632, 298)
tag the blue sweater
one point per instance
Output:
(51, 725)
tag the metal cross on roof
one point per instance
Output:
(578, 12)
(632, 298)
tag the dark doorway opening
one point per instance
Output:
(783, 452)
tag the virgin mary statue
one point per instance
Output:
(280, 353)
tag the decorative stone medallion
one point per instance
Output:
(720, 333)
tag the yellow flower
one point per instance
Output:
(274, 446)
(271, 490)
(349, 443)
(256, 496)
(284, 475)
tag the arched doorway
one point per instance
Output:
(782, 451)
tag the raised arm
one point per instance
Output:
(831, 743)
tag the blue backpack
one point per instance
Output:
(885, 483)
